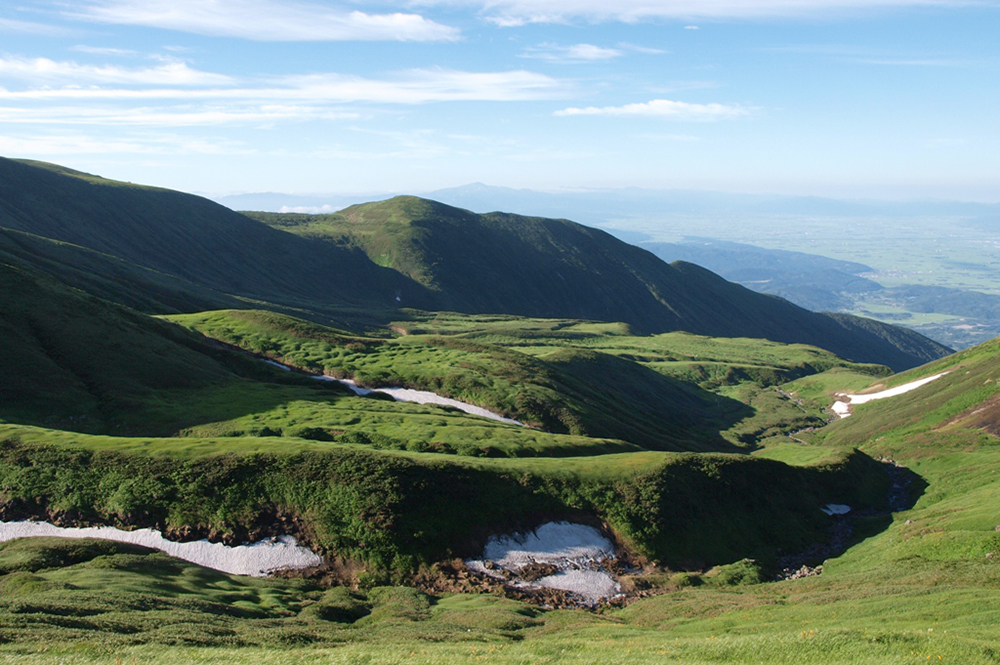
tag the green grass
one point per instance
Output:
(396, 510)
(575, 378)
(838, 618)
(914, 585)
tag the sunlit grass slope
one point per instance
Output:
(393, 511)
(531, 266)
(570, 390)
(957, 411)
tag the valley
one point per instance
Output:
(160, 364)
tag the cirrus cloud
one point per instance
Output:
(265, 20)
(46, 71)
(520, 12)
(577, 53)
(664, 108)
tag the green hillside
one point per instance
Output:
(572, 390)
(536, 267)
(706, 458)
(191, 238)
(163, 251)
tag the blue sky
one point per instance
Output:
(847, 98)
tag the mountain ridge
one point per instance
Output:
(540, 267)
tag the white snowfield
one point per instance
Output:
(554, 542)
(843, 409)
(256, 559)
(576, 549)
(415, 396)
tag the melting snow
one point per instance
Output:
(843, 409)
(423, 397)
(415, 396)
(575, 549)
(256, 559)
(836, 509)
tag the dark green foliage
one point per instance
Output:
(736, 507)
(533, 266)
(744, 571)
(191, 238)
(395, 512)
(571, 390)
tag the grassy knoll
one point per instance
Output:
(673, 391)
(397, 510)
(573, 390)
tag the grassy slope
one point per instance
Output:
(395, 510)
(79, 363)
(570, 390)
(191, 238)
(908, 592)
(542, 267)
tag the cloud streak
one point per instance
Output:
(575, 54)
(44, 70)
(174, 94)
(663, 108)
(265, 20)
(520, 12)
(415, 86)
(31, 28)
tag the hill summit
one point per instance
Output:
(532, 266)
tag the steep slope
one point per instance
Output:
(77, 362)
(190, 237)
(532, 266)
(109, 277)
(960, 410)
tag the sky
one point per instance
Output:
(847, 98)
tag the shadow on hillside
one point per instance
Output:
(905, 488)
(627, 400)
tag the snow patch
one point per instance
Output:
(415, 396)
(256, 559)
(843, 409)
(551, 543)
(576, 550)
(836, 509)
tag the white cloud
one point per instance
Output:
(30, 28)
(104, 50)
(170, 116)
(520, 12)
(415, 86)
(418, 86)
(84, 144)
(577, 53)
(642, 49)
(46, 71)
(265, 20)
(285, 99)
(663, 108)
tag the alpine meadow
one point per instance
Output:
(510, 332)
